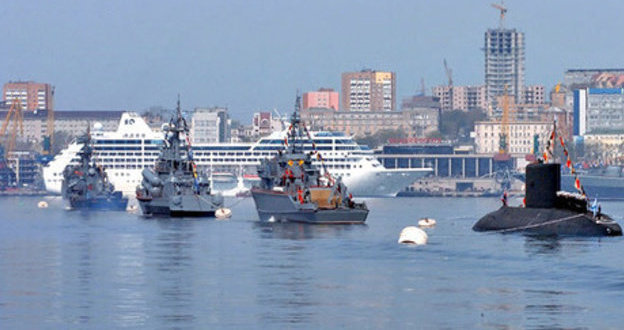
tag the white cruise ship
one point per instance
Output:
(125, 152)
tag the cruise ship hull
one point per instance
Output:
(276, 206)
(384, 182)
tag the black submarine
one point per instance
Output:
(549, 211)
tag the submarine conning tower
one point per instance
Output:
(543, 181)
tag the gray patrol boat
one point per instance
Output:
(86, 186)
(174, 187)
(292, 189)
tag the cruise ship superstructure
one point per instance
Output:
(134, 146)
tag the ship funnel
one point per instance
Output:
(542, 183)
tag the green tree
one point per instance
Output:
(380, 137)
(457, 124)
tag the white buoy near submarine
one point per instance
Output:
(426, 223)
(413, 235)
(223, 213)
(42, 204)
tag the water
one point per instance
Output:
(70, 269)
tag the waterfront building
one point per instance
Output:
(323, 98)
(73, 123)
(533, 94)
(445, 159)
(415, 122)
(369, 90)
(32, 95)
(599, 111)
(265, 123)
(210, 125)
(590, 78)
(504, 64)
(520, 140)
(465, 98)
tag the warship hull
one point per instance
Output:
(548, 222)
(109, 204)
(278, 206)
(185, 206)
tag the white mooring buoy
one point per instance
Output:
(223, 213)
(42, 204)
(426, 223)
(413, 235)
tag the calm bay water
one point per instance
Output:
(71, 269)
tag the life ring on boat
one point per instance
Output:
(426, 223)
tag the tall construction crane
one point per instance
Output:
(15, 115)
(503, 10)
(449, 75)
(48, 140)
(503, 145)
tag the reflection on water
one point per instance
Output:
(291, 230)
(72, 269)
(536, 245)
(174, 262)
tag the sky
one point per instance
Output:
(255, 55)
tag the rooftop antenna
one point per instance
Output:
(503, 10)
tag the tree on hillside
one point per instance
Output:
(380, 137)
(457, 124)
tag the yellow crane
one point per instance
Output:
(504, 134)
(48, 140)
(503, 10)
(14, 117)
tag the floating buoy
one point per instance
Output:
(426, 223)
(42, 204)
(413, 235)
(223, 213)
(272, 219)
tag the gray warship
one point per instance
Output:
(86, 186)
(292, 189)
(174, 187)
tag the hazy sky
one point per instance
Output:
(254, 55)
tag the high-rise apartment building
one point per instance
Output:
(465, 98)
(369, 90)
(504, 64)
(32, 95)
(323, 98)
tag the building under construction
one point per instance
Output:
(504, 61)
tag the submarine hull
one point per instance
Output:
(547, 221)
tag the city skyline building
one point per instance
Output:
(210, 125)
(504, 64)
(414, 122)
(464, 98)
(368, 90)
(32, 95)
(323, 98)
